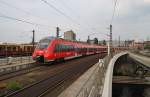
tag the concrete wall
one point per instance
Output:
(90, 84)
(96, 82)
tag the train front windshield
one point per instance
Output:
(43, 44)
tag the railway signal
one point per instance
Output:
(33, 39)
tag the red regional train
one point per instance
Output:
(56, 49)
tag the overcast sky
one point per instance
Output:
(131, 21)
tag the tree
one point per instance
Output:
(104, 42)
(95, 41)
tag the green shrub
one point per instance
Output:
(147, 47)
(14, 86)
(2, 94)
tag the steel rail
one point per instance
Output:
(49, 83)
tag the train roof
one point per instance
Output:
(50, 38)
(53, 38)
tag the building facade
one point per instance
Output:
(69, 35)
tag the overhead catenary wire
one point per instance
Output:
(74, 14)
(21, 10)
(36, 24)
(63, 14)
(12, 6)
(28, 13)
(68, 8)
(24, 21)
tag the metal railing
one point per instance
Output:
(15, 60)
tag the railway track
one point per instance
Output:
(19, 73)
(48, 84)
(35, 67)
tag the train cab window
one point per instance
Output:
(43, 44)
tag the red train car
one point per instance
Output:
(52, 49)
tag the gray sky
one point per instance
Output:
(131, 21)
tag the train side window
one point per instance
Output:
(72, 48)
(56, 48)
(60, 48)
(75, 49)
(63, 48)
(69, 48)
(66, 48)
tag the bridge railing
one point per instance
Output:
(94, 84)
(107, 89)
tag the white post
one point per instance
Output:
(108, 44)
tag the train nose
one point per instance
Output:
(40, 53)
(37, 53)
(38, 56)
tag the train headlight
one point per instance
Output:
(46, 51)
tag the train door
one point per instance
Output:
(56, 54)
